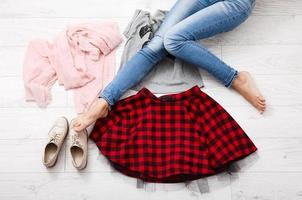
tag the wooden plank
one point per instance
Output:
(264, 59)
(256, 30)
(96, 185)
(30, 123)
(103, 8)
(277, 186)
(260, 30)
(45, 28)
(13, 94)
(25, 155)
(273, 155)
(276, 122)
(11, 60)
(66, 186)
(279, 90)
(66, 9)
(276, 7)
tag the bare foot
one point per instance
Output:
(98, 109)
(245, 86)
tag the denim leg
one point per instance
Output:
(222, 16)
(142, 62)
(134, 70)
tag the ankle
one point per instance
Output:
(98, 107)
(239, 79)
(103, 107)
(104, 103)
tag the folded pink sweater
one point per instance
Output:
(81, 58)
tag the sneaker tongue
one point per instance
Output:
(77, 145)
(53, 141)
(56, 134)
(76, 142)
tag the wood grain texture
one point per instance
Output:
(268, 44)
(275, 186)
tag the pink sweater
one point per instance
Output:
(81, 58)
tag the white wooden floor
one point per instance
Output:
(268, 44)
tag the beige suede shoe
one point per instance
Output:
(78, 147)
(57, 135)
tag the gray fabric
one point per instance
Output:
(140, 183)
(170, 74)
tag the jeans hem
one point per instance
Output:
(231, 77)
(106, 99)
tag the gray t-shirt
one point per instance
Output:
(169, 75)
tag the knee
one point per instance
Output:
(156, 44)
(173, 41)
(154, 49)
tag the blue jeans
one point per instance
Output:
(186, 22)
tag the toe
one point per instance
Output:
(79, 126)
(75, 123)
(262, 109)
(261, 98)
(261, 103)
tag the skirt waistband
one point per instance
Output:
(193, 91)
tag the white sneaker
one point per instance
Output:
(57, 136)
(79, 147)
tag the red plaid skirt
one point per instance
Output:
(171, 138)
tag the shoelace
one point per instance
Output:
(76, 140)
(57, 136)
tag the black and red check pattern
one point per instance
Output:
(171, 138)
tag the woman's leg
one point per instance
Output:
(140, 64)
(222, 16)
